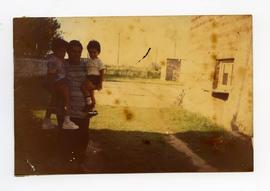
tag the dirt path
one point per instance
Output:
(133, 94)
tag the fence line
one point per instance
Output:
(29, 67)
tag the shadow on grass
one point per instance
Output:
(134, 152)
(221, 149)
(30, 93)
(128, 152)
(108, 152)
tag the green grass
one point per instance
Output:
(169, 120)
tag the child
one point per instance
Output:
(58, 84)
(95, 72)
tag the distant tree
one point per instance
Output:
(32, 36)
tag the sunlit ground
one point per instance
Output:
(169, 120)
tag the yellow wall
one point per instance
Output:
(218, 37)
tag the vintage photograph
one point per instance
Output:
(133, 94)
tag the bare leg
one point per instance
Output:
(63, 89)
(51, 106)
(88, 90)
(93, 99)
(47, 124)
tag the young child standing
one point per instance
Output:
(59, 84)
(95, 74)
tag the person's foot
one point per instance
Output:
(69, 125)
(47, 124)
(92, 113)
(89, 109)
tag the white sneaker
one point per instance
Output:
(47, 124)
(69, 125)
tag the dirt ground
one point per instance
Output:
(138, 94)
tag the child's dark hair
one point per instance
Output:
(58, 43)
(94, 44)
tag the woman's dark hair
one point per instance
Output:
(74, 43)
(94, 44)
(58, 43)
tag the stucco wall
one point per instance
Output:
(212, 38)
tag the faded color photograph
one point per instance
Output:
(144, 94)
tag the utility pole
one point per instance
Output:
(175, 41)
(175, 49)
(118, 50)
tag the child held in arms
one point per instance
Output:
(95, 75)
(58, 84)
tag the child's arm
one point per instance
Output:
(51, 71)
(101, 79)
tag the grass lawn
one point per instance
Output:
(160, 120)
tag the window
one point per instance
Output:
(223, 75)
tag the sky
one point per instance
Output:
(125, 40)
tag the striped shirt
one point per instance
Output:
(76, 74)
